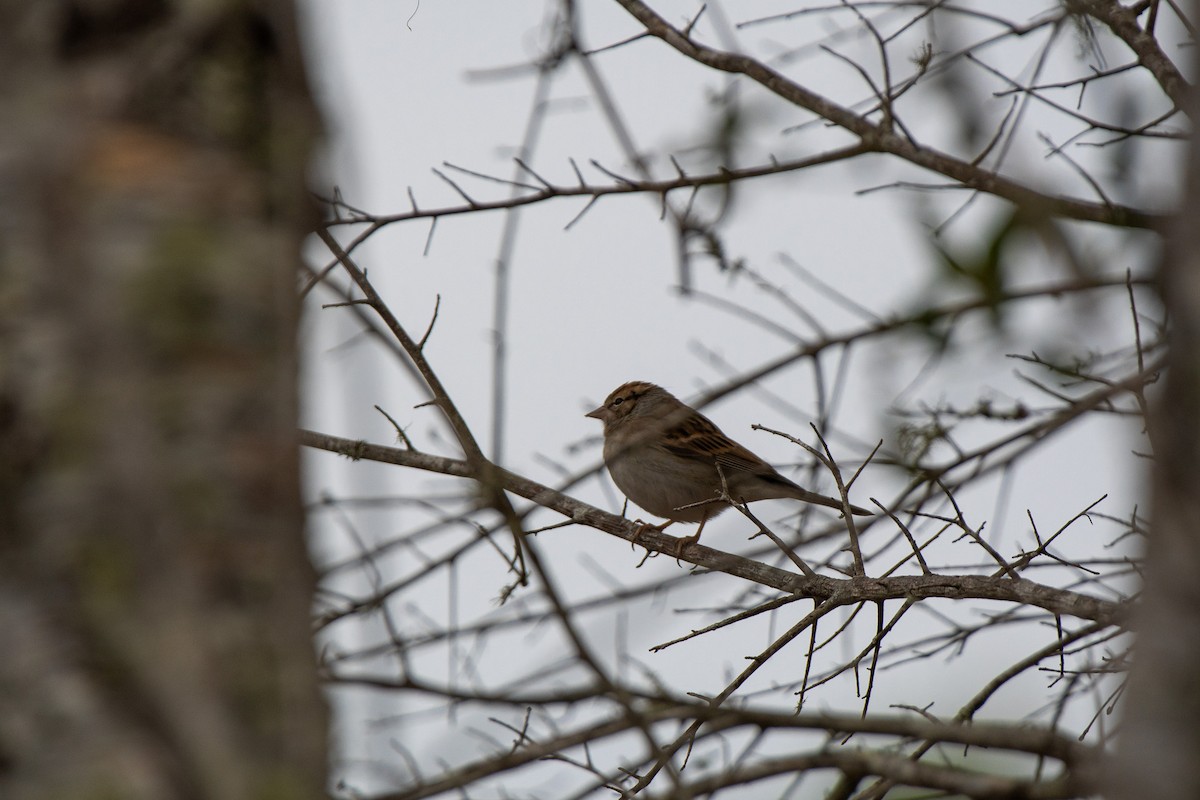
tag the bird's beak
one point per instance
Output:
(597, 413)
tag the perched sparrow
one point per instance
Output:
(669, 459)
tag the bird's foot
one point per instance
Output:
(643, 526)
(683, 543)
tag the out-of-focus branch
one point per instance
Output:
(878, 138)
(1123, 22)
(896, 767)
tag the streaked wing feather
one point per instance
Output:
(699, 439)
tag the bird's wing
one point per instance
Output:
(699, 439)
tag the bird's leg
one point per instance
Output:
(684, 542)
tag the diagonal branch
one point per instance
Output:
(481, 468)
(1122, 21)
(878, 138)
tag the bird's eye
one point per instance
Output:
(618, 401)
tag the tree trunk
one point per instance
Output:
(154, 584)
(1159, 748)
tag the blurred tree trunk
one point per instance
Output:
(1159, 747)
(154, 584)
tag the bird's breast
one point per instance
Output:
(661, 482)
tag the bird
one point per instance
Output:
(673, 461)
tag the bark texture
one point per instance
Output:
(154, 585)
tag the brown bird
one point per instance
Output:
(669, 459)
